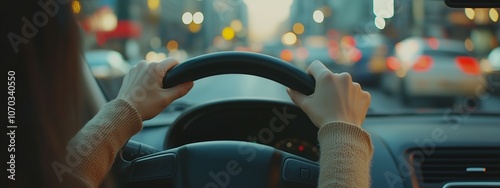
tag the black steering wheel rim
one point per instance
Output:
(232, 62)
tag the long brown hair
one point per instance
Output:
(48, 89)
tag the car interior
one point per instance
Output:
(270, 142)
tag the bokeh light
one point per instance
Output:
(172, 45)
(153, 4)
(236, 25)
(187, 18)
(494, 15)
(194, 28)
(298, 28)
(227, 33)
(318, 16)
(289, 38)
(76, 6)
(286, 55)
(469, 45)
(155, 57)
(198, 17)
(470, 13)
(109, 21)
(379, 22)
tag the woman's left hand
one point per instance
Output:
(142, 88)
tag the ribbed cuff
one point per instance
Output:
(342, 132)
(132, 115)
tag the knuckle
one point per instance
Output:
(356, 85)
(326, 75)
(346, 76)
(367, 95)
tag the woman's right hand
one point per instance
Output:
(336, 98)
(142, 88)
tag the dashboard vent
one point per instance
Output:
(456, 164)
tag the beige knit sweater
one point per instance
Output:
(346, 149)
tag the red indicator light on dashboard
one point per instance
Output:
(301, 148)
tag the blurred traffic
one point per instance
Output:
(404, 50)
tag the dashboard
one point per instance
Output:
(279, 125)
(412, 150)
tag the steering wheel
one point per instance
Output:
(226, 163)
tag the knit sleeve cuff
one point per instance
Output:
(342, 132)
(124, 115)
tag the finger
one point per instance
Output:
(356, 85)
(368, 96)
(167, 64)
(346, 77)
(296, 96)
(316, 68)
(178, 91)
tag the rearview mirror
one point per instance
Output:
(473, 3)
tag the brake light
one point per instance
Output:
(424, 63)
(468, 65)
(393, 63)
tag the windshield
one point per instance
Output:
(412, 56)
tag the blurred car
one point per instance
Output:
(109, 67)
(431, 67)
(493, 71)
(363, 56)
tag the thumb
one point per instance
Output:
(296, 96)
(178, 91)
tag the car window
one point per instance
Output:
(392, 48)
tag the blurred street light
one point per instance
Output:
(172, 45)
(76, 6)
(155, 57)
(187, 18)
(153, 4)
(236, 25)
(194, 28)
(298, 28)
(198, 17)
(318, 16)
(493, 15)
(470, 13)
(109, 21)
(383, 8)
(379, 22)
(289, 39)
(227, 33)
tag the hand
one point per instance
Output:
(335, 98)
(142, 88)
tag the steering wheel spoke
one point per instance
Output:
(222, 164)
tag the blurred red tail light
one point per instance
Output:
(424, 63)
(468, 64)
(393, 63)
